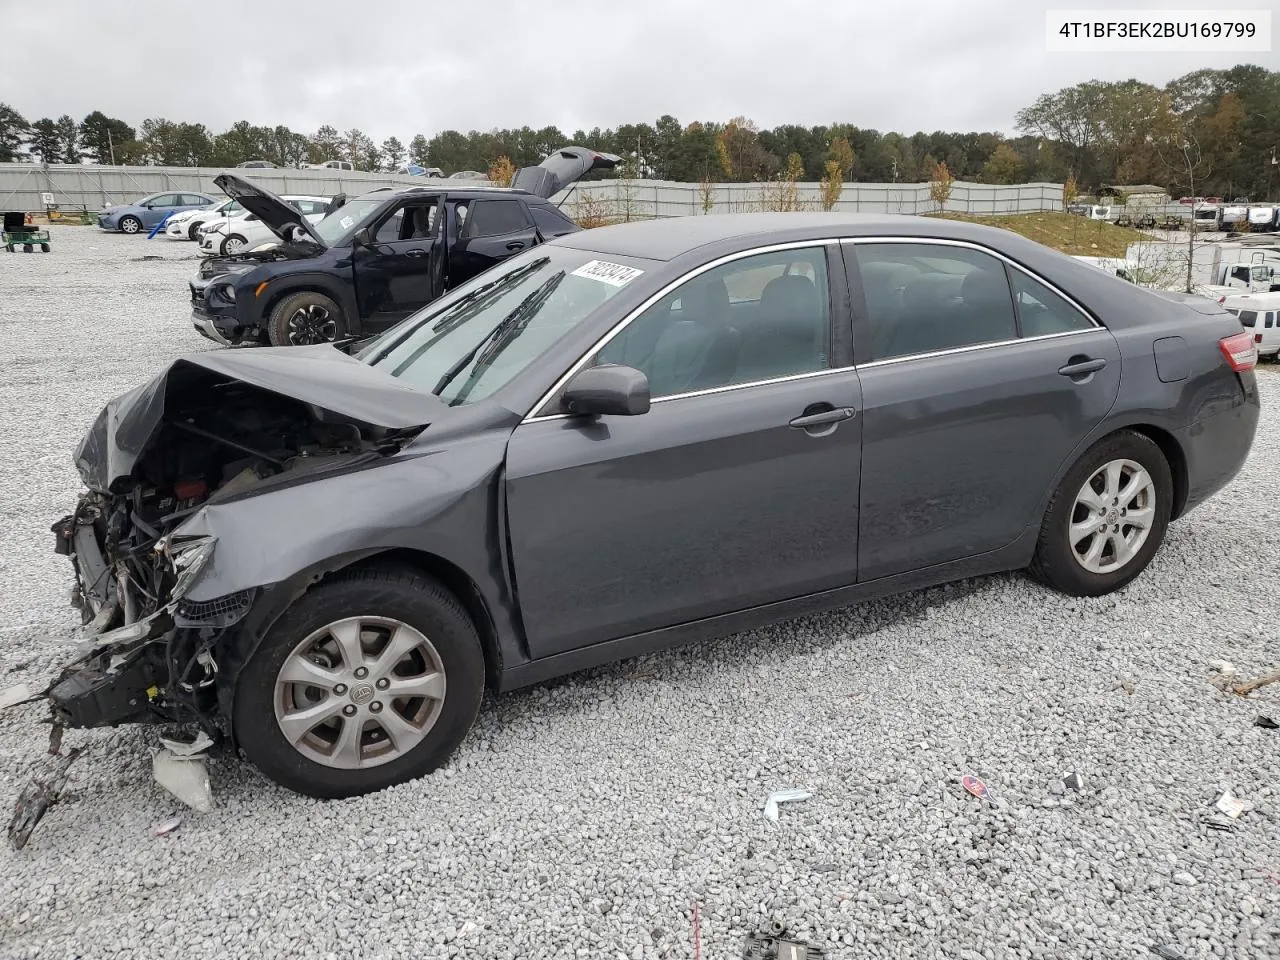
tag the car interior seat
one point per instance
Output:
(790, 333)
(700, 349)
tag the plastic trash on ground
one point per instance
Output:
(783, 796)
(182, 769)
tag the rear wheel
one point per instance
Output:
(370, 679)
(44, 248)
(1107, 518)
(305, 318)
(130, 224)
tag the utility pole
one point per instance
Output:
(111, 145)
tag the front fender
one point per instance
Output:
(337, 288)
(436, 503)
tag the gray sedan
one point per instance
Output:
(621, 440)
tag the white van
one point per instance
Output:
(1259, 314)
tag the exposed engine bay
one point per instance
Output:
(154, 657)
(213, 428)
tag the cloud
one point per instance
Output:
(402, 68)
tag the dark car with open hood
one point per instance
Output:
(376, 258)
(620, 440)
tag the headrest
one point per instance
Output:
(789, 295)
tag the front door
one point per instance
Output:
(978, 382)
(393, 276)
(738, 487)
(489, 231)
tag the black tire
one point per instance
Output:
(1056, 563)
(323, 321)
(193, 231)
(396, 592)
(226, 242)
(130, 225)
(44, 248)
(28, 248)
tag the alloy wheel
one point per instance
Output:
(312, 324)
(359, 692)
(1112, 516)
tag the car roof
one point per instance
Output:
(454, 191)
(668, 238)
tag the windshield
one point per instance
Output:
(485, 332)
(339, 225)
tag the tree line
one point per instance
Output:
(1214, 130)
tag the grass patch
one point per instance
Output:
(1063, 231)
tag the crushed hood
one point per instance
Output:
(320, 375)
(276, 214)
(563, 167)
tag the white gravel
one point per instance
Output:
(584, 819)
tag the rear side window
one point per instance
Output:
(1248, 317)
(490, 218)
(1041, 311)
(1270, 318)
(550, 221)
(923, 298)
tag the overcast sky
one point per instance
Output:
(421, 67)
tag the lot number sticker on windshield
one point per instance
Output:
(346, 223)
(614, 274)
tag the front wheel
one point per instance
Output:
(371, 679)
(232, 244)
(193, 231)
(1107, 518)
(130, 224)
(305, 318)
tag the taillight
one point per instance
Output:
(1257, 338)
(1239, 351)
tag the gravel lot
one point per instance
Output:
(585, 818)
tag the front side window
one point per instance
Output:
(484, 332)
(413, 220)
(755, 318)
(923, 298)
(167, 200)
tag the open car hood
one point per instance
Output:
(280, 217)
(320, 375)
(563, 167)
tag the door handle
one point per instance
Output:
(823, 417)
(1082, 367)
(515, 245)
(416, 252)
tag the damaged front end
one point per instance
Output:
(212, 429)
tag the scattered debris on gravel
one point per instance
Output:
(586, 817)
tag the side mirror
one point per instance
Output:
(607, 390)
(364, 237)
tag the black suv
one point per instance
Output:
(377, 258)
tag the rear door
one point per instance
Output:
(979, 381)
(489, 232)
(392, 277)
(738, 487)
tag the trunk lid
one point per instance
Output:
(563, 167)
(281, 218)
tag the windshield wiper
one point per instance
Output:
(456, 313)
(506, 330)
